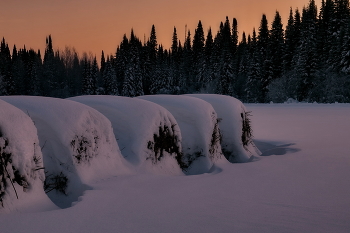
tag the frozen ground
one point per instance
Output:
(300, 184)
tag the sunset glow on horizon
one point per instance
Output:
(93, 26)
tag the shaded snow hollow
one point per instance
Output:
(198, 123)
(232, 114)
(148, 134)
(77, 143)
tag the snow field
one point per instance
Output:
(299, 184)
(198, 123)
(77, 143)
(231, 113)
(148, 135)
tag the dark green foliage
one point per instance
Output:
(215, 139)
(58, 182)
(247, 132)
(7, 178)
(83, 148)
(164, 141)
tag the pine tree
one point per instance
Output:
(5, 69)
(209, 68)
(149, 64)
(121, 63)
(103, 62)
(186, 83)
(290, 43)
(253, 86)
(234, 35)
(132, 85)
(87, 86)
(175, 62)
(265, 57)
(198, 57)
(307, 63)
(94, 77)
(225, 65)
(49, 69)
(109, 79)
(276, 47)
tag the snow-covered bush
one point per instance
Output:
(199, 129)
(21, 164)
(147, 134)
(237, 144)
(77, 143)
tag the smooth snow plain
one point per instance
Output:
(301, 183)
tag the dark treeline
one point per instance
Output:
(309, 60)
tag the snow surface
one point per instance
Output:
(18, 137)
(229, 112)
(135, 123)
(76, 141)
(300, 184)
(197, 120)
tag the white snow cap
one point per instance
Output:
(199, 128)
(77, 143)
(147, 134)
(232, 114)
(21, 163)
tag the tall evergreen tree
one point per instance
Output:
(276, 47)
(234, 35)
(266, 72)
(198, 57)
(109, 79)
(307, 63)
(133, 83)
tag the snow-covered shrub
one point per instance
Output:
(21, 164)
(199, 129)
(237, 144)
(77, 143)
(147, 134)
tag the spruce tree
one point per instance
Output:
(307, 63)
(198, 57)
(276, 47)
(133, 80)
(109, 79)
(87, 85)
(264, 57)
(234, 35)
(209, 68)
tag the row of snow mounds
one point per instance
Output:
(148, 135)
(236, 143)
(21, 163)
(77, 143)
(199, 129)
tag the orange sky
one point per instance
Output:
(95, 25)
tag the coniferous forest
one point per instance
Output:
(307, 60)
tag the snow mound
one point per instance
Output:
(237, 144)
(77, 143)
(148, 135)
(21, 173)
(199, 129)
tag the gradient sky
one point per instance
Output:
(95, 25)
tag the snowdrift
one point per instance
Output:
(21, 173)
(77, 143)
(199, 129)
(237, 144)
(148, 135)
